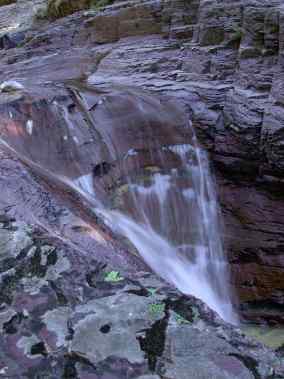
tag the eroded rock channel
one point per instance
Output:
(98, 107)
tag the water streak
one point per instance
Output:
(173, 221)
(136, 161)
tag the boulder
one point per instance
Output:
(55, 322)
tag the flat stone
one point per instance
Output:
(109, 327)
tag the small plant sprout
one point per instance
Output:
(113, 276)
(156, 309)
(152, 291)
(180, 320)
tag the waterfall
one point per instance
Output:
(172, 219)
(135, 158)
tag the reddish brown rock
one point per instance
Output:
(223, 62)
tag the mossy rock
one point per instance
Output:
(7, 2)
(212, 35)
(62, 8)
(97, 4)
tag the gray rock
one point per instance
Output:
(200, 355)
(222, 62)
(110, 327)
(11, 86)
(12, 242)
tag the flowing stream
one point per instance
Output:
(173, 220)
(136, 160)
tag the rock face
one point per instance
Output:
(62, 8)
(222, 61)
(64, 315)
(75, 301)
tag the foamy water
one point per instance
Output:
(176, 230)
(172, 219)
(167, 205)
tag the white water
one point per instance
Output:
(169, 211)
(172, 219)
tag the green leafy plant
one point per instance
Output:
(152, 291)
(180, 320)
(156, 309)
(113, 276)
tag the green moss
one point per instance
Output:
(7, 2)
(41, 14)
(274, 29)
(152, 291)
(97, 4)
(113, 276)
(62, 8)
(156, 309)
(270, 336)
(237, 36)
(212, 35)
(180, 320)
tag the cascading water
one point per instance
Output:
(172, 219)
(135, 159)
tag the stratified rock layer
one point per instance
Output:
(223, 62)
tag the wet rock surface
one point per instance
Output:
(64, 315)
(228, 82)
(221, 62)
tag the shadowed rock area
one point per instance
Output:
(90, 84)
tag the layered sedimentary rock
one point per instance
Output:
(223, 63)
(70, 288)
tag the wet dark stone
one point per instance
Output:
(39, 348)
(102, 169)
(280, 351)
(250, 363)
(11, 40)
(154, 342)
(91, 279)
(6, 219)
(61, 298)
(36, 268)
(139, 292)
(105, 329)
(70, 371)
(11, 327)
(52, 258)
(181, 307)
